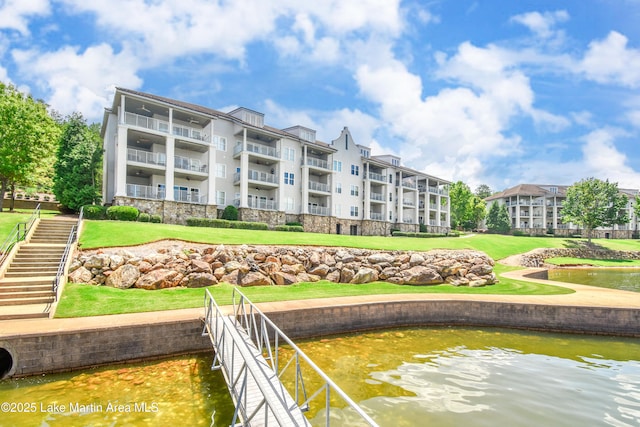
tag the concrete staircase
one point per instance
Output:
(26, 289)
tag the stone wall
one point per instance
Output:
(170, 212)
(272, 218)
(536, 257)
(193, 267)
(376, 228)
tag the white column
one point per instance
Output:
(305, 183)
(121, 162)
(169, 181)
(244, 171)
(211, 181)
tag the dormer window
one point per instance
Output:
(395, 162)
(249, 116)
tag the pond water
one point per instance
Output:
(402, 377)
(627, 279)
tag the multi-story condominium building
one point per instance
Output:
(181, 160)
(537, 209)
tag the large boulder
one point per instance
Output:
(159, 279)
(281, 278)
(380, 258)
(364, 275)
(420, 275)
(123, 277)
(80, 275)
(199, 266)
(253, 278)
(198, 280)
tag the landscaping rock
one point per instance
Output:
(123, 277)
(159, 279)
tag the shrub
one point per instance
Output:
(156, 219)
(144, 217)
(294, 228)
(520, 233)
(423, 235)
(230, 213)
(223, 223)
(295, 224)
(423, 228)
(94, 212)
(123, 213)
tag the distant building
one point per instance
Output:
(537, 209)
(181, 160)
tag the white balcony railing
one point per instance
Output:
(407, 220)
(407, 202)
(376, 177)
(270, 178)
(318, 163)
(319, 186)
(377, 216)
(268, 205)
(146, 122)
(409, 183)
(376, 196)
(186, 163)
(261, 149)
(189, 197)
(146, 157)
(319, 210)
(144, 192)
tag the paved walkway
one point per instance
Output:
(589, 296)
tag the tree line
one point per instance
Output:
(589, 204)
(40, 148)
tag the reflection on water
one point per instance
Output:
(472, 377)
(402, 377)
(627, 279)
(180, 391)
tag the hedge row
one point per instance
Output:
(425, 235)
(223, 223)
(295, 228)
(118, 213)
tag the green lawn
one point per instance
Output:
(9, 219)
(113, 233)
(87, 300)
(596, 262)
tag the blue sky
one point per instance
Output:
(495, 92)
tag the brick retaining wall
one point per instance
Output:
(61, 351)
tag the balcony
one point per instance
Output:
(146, 157)
(376, 196)
(319, 210)
(258, 176)
(318, 163)
(188, 164)
(253, 203)
(144, 192)
(319, 186)
(252, 147)
(376, 177)
(407, 220)
(409, 183)
(433, 206)
(377, 216)
(189, 197)
(146, 122)
(407, 202)
(436, 190)
(189, 132)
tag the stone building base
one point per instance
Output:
(595, 234)
(170, 212)
(272, 218)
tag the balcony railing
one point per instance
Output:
(146, 122)
(409, 183)
(254, 175)
(436, 190)
(186, 163)
(433, 206)
(377, 216)
(252, 147)
(377, 196)
(189, 197)
(189, 132)
(376, 177)
(319, 186)
(253, 203)
(319, 210)
(318, 163)
(407, 220)
(144, 192)
(407, 202)
(147, 157)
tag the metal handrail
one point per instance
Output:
(18, 233)
(65, 255)
(268, 338)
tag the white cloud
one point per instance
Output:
(14, 13)
(542, 24)
(79, 81)
(611, 61)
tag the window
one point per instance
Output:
(221, 198)
(338, 209)
(554, 190)
(395, 162)
(339, 187)
(220, 142)
(288, 178)
(364, 152)
(221, 170)
(355, 170)
(289, 204)
(391, 197)
(390, 178)
(161, 191)
(355, 191)
(353, 211)
(337, 166)
(289, 154)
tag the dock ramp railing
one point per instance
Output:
(280, 361)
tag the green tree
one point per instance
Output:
(593, 203)
(77, 179)
(467, 210)
(498, 220)
(483, 191)
(27, 138)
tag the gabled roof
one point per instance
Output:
(534, 190)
